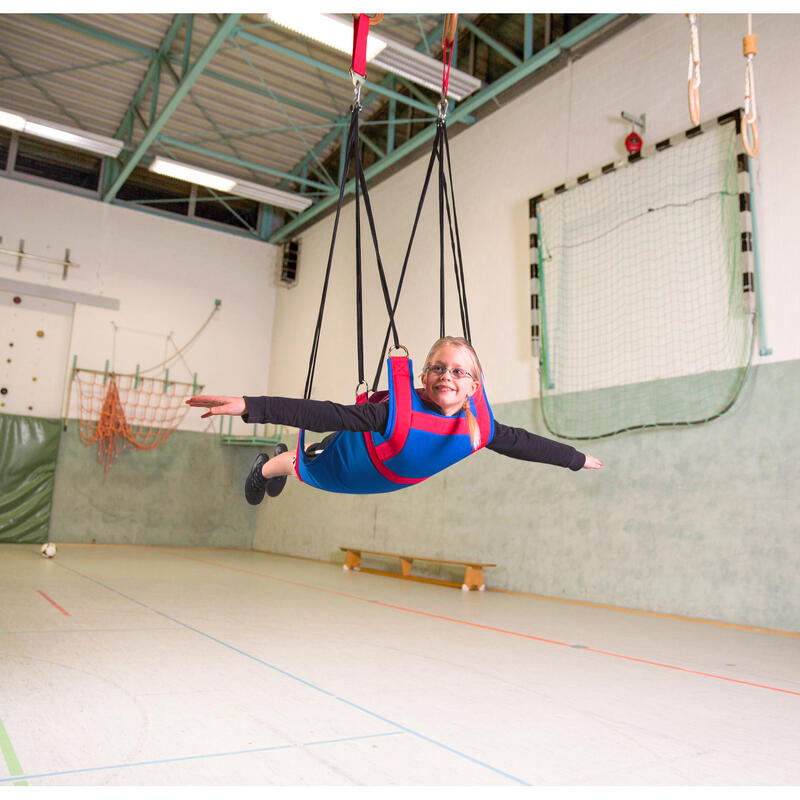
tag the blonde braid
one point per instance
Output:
(472, 425)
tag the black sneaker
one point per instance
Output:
(256, 484)
(275, 485)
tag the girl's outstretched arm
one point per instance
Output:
(528, 446)
(217, 405)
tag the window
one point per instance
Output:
(53, 162)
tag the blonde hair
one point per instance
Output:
(475, 370)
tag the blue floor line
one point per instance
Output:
(438, 744)
(296, 678)
(178, 759)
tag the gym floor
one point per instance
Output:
(133, 666)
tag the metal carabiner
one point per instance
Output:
(358, 80)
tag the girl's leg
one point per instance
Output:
(282, 464)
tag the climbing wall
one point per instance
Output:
(33, 354)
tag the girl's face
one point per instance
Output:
(447, 390)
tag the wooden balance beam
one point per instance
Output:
(473, 574)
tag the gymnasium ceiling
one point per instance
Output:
(241, 96)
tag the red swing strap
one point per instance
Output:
(358, 65)
(448, 42)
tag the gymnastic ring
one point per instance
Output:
(750, 149)
(694, 102)
(398, 347)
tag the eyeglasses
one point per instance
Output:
(457, 373)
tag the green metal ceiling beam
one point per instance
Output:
(154, 94)
(187, 45)
(53, 100)
(289, 119)
(493, 43)
(526, 68)
(335, 132)
(372, 146)
(153, 69)
(527, 47)
(220, 35)
(168, 140)
(223, 137)
(77, 68)
(339, 73)
(289, 101)
(96, 33)
(390, 132)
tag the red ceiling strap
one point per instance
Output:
(360, 33)
(448, 40)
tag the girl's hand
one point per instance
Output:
(592, 463)
(218, 405)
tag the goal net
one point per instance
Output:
(642, 290)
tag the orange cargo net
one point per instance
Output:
(121, 411)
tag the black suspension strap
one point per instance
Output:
(428, 173)
(352, 149)
(359, 288)
(390, 309)
(440, 152)
(312, 362)
(455, 242)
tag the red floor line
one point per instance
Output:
(693, 671)
(490, 628)
(53, 602)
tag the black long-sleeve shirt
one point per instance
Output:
(322, 416)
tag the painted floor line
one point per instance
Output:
(178, 759)
(439, 744)
(497, 630)
(53, 602)
(10, 757)
(289, 674)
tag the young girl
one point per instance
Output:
(405, 442)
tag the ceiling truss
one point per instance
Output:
(235, 93)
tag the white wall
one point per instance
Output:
(166, 274)
(568, 125)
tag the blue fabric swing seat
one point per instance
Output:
(417, 442)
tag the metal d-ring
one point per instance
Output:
(398, 347)
(366, 388)
(441, 107)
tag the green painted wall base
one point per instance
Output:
(186, 492)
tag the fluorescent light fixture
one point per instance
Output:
(13, 121)
(272, 197)
(100, 145)
(224, 183)
(183, 172)
(325, 29)
(74, 137)
(382, 52)
(424, 70)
